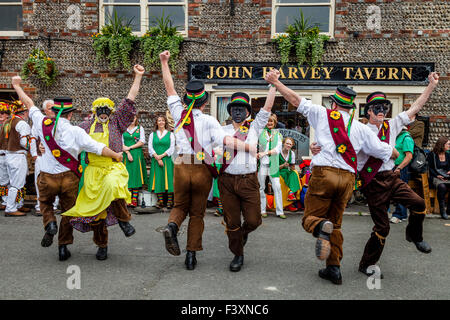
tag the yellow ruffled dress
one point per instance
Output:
(105, 180)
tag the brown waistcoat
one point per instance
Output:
(13, 141)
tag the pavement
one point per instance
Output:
(279, 263)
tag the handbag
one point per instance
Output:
(440, 172)
(419, 161)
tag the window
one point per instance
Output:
(143, 13)
(319, 12)
(11, 18)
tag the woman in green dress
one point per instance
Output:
(161, 146)
(287, 169)
(133, 140)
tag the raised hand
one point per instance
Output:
(164, 56)
(433, 77)
(272, 76)
(138, 69)
(16, 81)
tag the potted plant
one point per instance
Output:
(162, 37)
(41, 65)
(306, 40)
(114, 42)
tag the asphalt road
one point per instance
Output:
(279, 263)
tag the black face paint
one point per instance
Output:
(381, 108)
(103, 110)
(238, 113)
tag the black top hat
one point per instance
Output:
(344, 97)
(239, 99)
(63, 104)
(376, 97)
(195, 89)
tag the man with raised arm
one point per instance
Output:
(60, 170)
(334, 168)
(196, 134)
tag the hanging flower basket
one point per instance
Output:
(40, 65)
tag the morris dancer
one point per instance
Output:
(5, 113)
(19, 142)
(192, 171)
(381, 182)
(238, 180)
(102, 200)
(60, 170)
(333, 175)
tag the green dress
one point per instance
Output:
(137, 169)
(161, 178)
(289, 176)
(274, 170)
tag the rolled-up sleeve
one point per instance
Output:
(373, 146)
(86, 143)
(402, 119)
(217, 132)
(310, 111)
(175, 108)
(142, 134)
(125, 114)
(260, 121)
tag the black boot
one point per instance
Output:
(332, 273)
(50, 230)
(368, 273)
(444, 214)
(127, 228)
(422, 246)
(323, 232)
(170, 237)
(102, 253)
(190, 261)
(63, 252)
(237, 263)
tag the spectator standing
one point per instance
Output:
(405, 146)
(270, 144)
(133, 139)
(161, 146)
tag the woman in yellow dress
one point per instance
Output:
(102, 200)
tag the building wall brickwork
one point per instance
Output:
(214, 35)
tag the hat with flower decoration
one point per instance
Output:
(104, 105)
(18, 107)
(5, 107)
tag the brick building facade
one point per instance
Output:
(411, 31)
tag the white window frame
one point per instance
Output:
(15, 33)
(144, 4)
(331, 4)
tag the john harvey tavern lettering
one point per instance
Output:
(328, 73)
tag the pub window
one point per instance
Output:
(319, 12)
(11, 17)
(144, 13)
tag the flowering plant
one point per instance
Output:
(161, 37)
(38, 63)
(305, 38)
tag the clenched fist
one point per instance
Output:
(164, 56)
(16, 81)
(138, 69)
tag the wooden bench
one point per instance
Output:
(421, 186)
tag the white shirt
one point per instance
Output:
(70, 138)
(24, 130)
(361, 137)
(141, 134)
(266, 159)
(286, 158)
(207, 129)
(395, 126)
(160, 135)
(244, 162)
